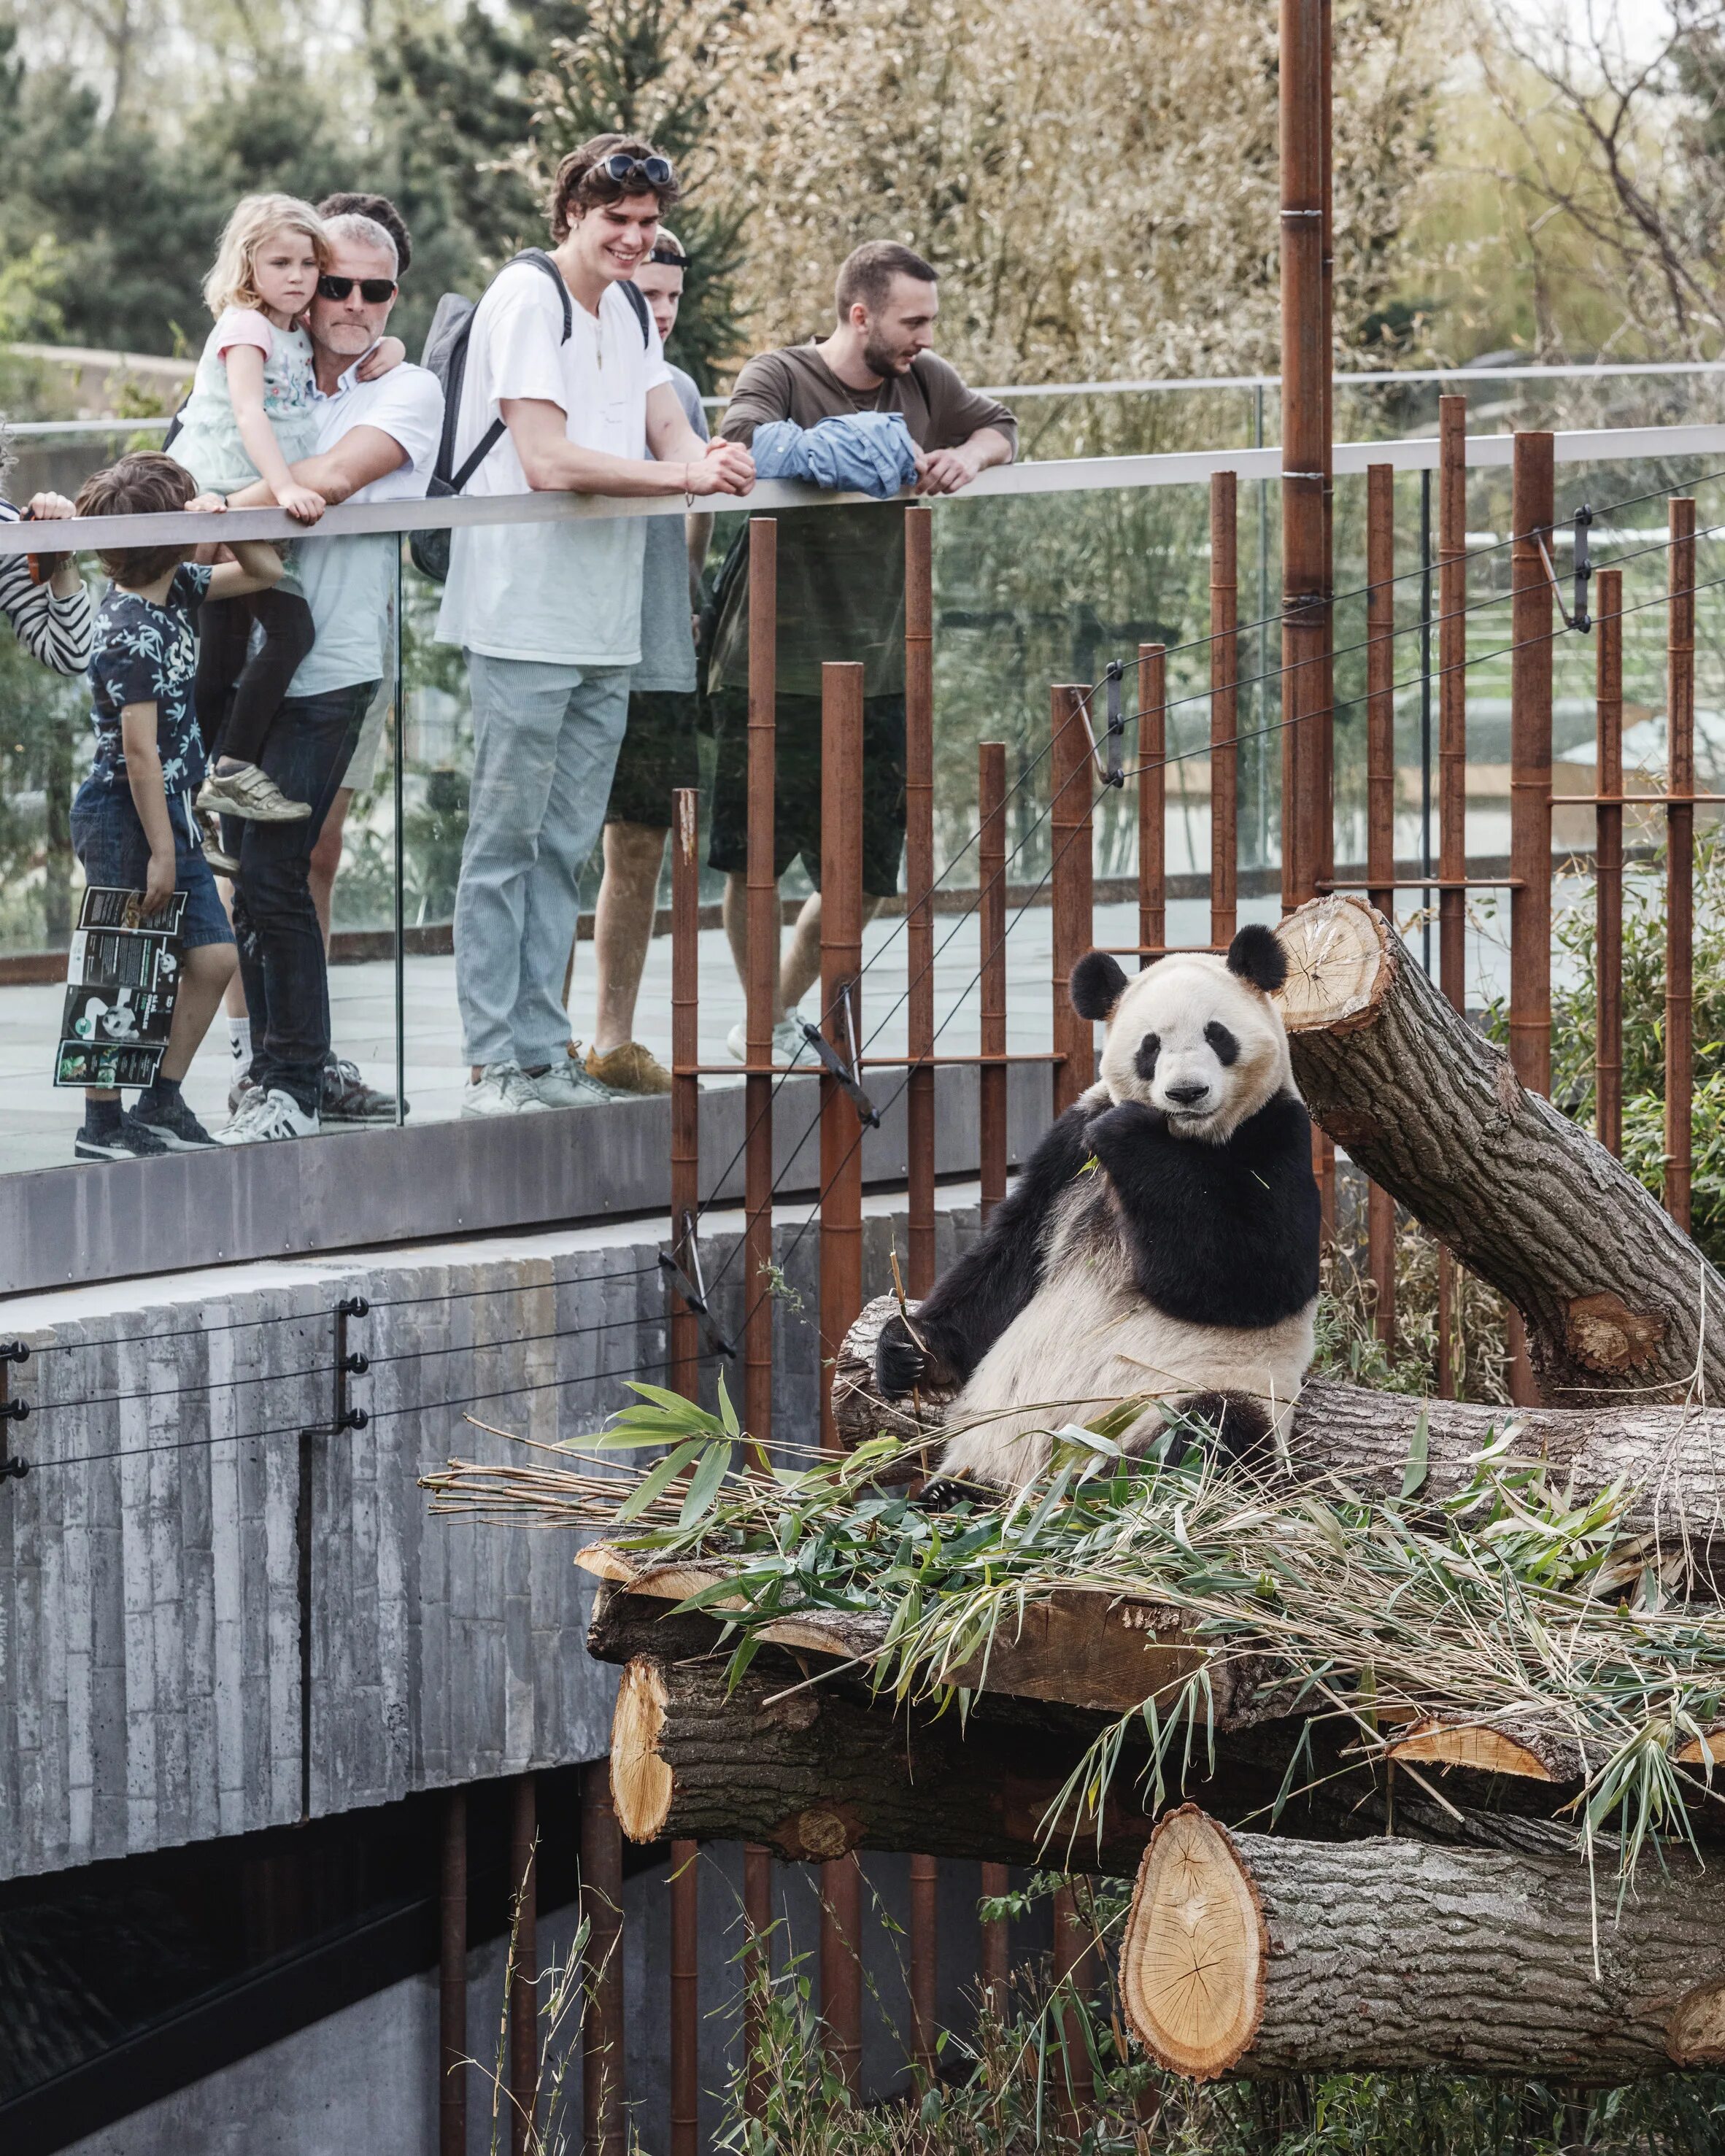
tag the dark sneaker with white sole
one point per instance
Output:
(347, 1098)
(174, 1123)
(128, 1140)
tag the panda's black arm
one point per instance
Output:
(974, 1301)
(1223, 1234)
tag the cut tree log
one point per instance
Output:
(1612, 1292)
(1248, 1955)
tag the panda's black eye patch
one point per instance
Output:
(1149, 1048)
(1226, 1046)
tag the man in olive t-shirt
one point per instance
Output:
(841, 589)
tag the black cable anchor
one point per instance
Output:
(833, 1064)
(13, 1468)
(693, 1291)
(1115, 775)
(1580, 619)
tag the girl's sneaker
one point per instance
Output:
(788, 1044)
(214, 852)
(174, 1123)
(127, 1140)
(250, 793)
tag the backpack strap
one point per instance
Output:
(638, 300)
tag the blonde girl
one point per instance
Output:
(251, 414)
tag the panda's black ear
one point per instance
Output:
(1096, 985)
(1257, 957)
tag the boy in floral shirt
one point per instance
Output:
(132, 826)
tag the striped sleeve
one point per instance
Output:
(59, 632)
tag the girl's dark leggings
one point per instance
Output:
(237, 695)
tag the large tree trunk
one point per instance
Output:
(1250, 1954)
(1612, 1292)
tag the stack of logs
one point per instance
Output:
(1460, 1929)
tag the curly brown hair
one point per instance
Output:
(580, 185)
(145, 484)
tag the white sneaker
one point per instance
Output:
(263, 1115)
(789, 1045)
(501, 1088)
(565, 1084)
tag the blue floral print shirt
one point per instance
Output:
(146, 654)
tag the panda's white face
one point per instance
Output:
(1191, 1038)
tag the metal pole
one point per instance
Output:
(919, 883)
(1530, 806)
(685, 2000)
(1071, 765)
(841, 1240)
(1380, 817)
(603, 2091)
(991, 959)
(452, 1980)
(1152, 800)
(1452, 789)
(925, 1967)
(1680, 864)
(1073, 1964)
(685, 1083)
(757, 1967)
(762, 985)
(524, 1972)
(1608, 943)
(994, 1960)
(1426, 714)
(1224, 708)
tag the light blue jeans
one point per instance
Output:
(545, 743)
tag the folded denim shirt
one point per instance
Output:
(857, 453)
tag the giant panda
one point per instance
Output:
(1162, 1238)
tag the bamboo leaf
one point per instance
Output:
(1418, 1467)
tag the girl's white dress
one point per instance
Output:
(208, 443)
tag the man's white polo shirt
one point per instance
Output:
(349, 583)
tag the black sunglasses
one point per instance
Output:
(373, 290)
(620, 166)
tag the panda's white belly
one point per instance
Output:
(1088, 1339)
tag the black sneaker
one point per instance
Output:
(132, 1141)
(347, 1098)
(174, 1123)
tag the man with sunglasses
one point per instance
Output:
(376, 441)
(566, 382)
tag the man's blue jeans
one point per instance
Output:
(545, 745)
(281, 954)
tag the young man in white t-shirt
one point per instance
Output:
(548, 615)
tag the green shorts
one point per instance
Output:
(659, 753)
(796, 787)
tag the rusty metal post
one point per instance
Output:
(1530, 803)
(1306, 482)
(602, 2091)
(1152, 799)
(1608, 886)
(1380, 818)
(994, 1957)
(685, 1083)
(757, 1969)
(1224, 708)
(919, 885)
(1680, 864)
(524, 1972)
(919, 1085)
(840, 1240)
(685, 1999)
(991, 961)
(1452, 788)
(761, 927)
(452, 1980)
(1071, 769)
(1074, 1963)
(925, 1965)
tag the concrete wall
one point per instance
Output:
(150, 1570)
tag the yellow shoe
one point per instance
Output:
(630, 1069)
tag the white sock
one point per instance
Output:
(239, 1041)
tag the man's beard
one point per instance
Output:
(885, 360)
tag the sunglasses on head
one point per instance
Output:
(373, 290)
(621, 167)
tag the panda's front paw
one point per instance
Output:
(1122, 1125)
(900, 1364)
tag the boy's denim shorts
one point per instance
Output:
(110, 845)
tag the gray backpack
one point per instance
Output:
(445, 355)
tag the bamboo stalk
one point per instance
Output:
(1153, 796)
(1380, 818)
(1225, 707)
(686, 1085)
(1071, 767)
(1679, 865)
(991, 932)
(919, 882)
(762, 928)
(685, 1999)
(1608, 947)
